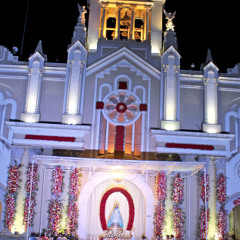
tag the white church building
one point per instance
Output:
(119, 124)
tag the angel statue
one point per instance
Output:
(82, 11)
(169, 16)
(115, 219)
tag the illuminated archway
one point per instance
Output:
(99, 178)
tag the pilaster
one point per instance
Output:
(35, 75)
(210, 82)
(170, 90)
(17, 154)
(75, 80)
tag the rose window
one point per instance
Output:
(121, 107)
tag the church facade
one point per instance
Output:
(119, 126)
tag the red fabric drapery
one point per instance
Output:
(50, 138)
(103, 206)
(190, 146)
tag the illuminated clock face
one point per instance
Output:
(121, 107)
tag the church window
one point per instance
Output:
(139, 30)
(110, 28)
(125, 21)
(122, 85)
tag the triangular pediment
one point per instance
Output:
(77, 44)
(171, 50)
(210, 65)
(124, 57)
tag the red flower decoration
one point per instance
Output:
(55, 205)
(221, 189)
(222, 223)
(202, 230)
(178, 189)
(75, 175)
(130, 203)
(161, 187)
(202, 187)
(31, 188)
(13, 185)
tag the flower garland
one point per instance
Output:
(202, 230)
(55, 205)
(178, 215)
(14, 178)
(31, 188)
(178, 221)
(13, 185)
(161, 192)
(221, 198)
(10, 210)
(57, 181)
(222, 223)
(203, 225)
(178, 189)
(221, 189)
(55, 215)
(75, 175)
(202, 187)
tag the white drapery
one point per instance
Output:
(93, 225)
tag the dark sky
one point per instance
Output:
(199, 25)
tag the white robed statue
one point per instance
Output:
(115, 219)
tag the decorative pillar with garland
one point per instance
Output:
(161, 192)
(55, 205)
(221, 197)
(13, 185)
(31, 189)
(204, 196)
(75, 176)
(178, 215)
(222, 213)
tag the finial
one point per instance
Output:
(82, 11)
(169, 16)
(209, 57)
(39, 47)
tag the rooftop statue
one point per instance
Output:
(82, 11)
(169, 16)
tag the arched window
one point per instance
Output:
(110, 28)
(8, 109)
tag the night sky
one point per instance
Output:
(199, 25)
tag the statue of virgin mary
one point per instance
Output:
(115, 219)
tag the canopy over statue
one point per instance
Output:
(115, 218)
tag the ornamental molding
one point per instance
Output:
(18, 131)
(123, 63)
(220, 142)
(124, 56)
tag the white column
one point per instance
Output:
(211, 99)
(74, 84)
(132, 27)
(119, 8)
(170, 92)
(103, 20)
(35, 75)
(146, 28)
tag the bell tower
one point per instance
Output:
(126, 21)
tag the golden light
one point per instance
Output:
(117, 174)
